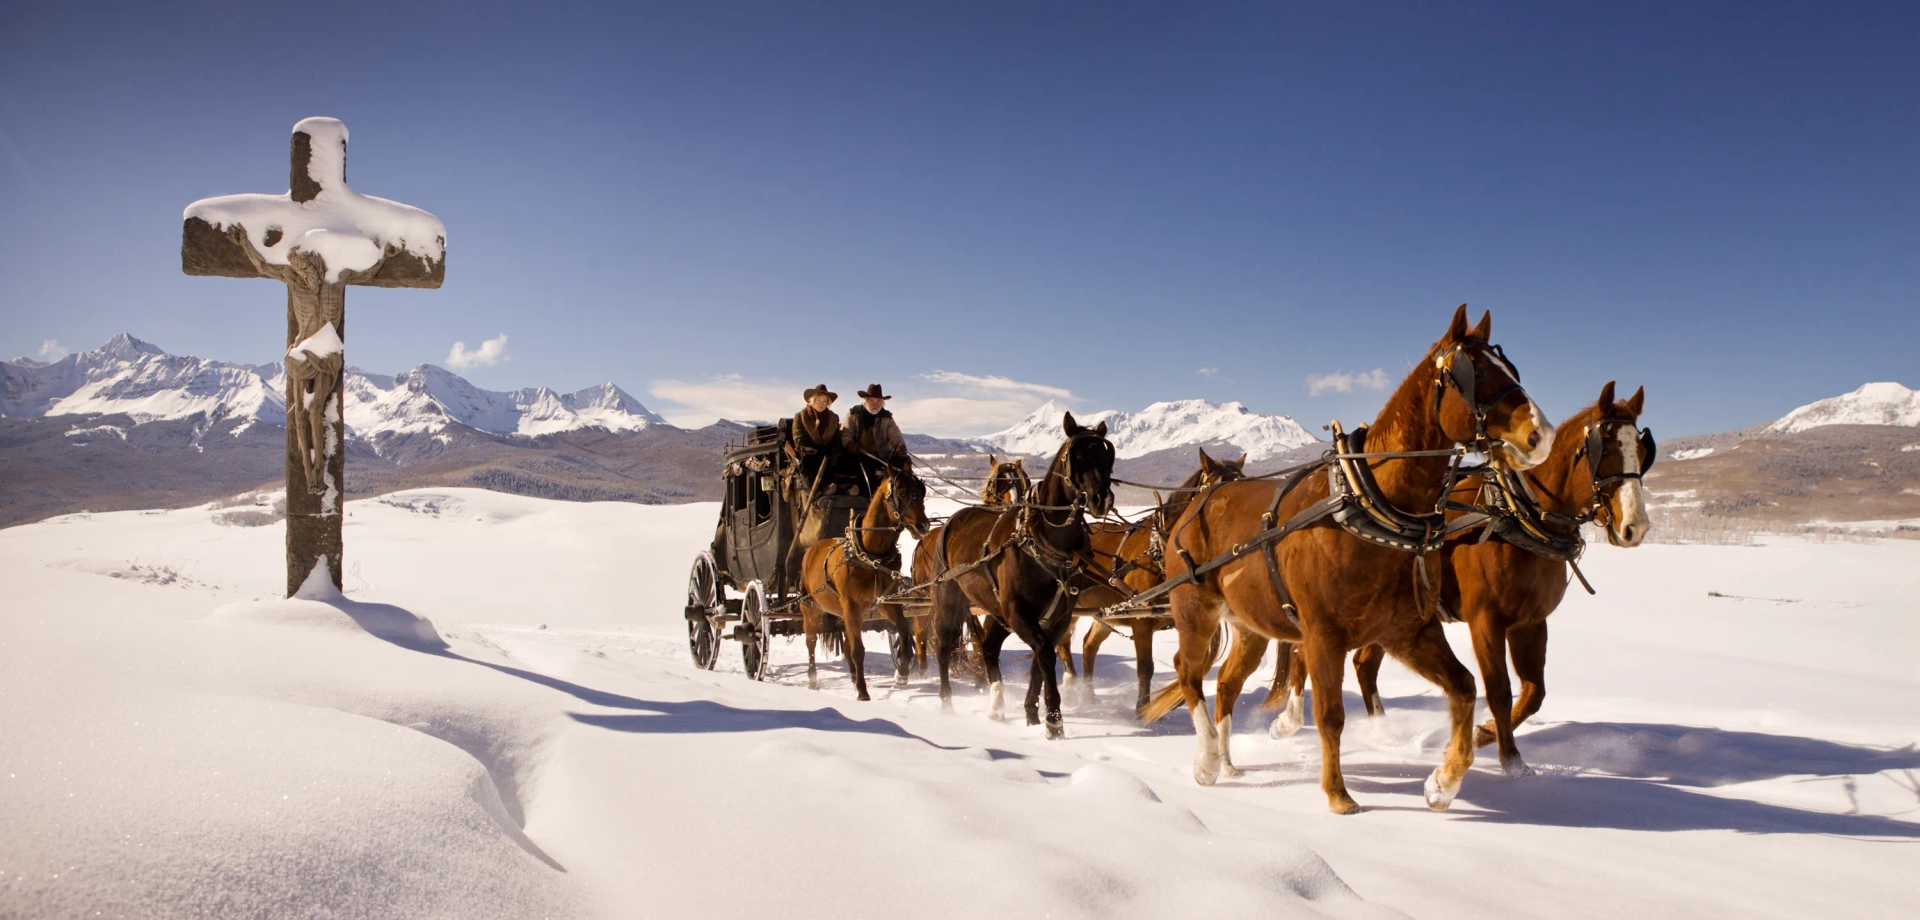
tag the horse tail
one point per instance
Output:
(1286, 660)
(1162, 703)
(833, 634)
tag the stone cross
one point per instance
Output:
(317, 238)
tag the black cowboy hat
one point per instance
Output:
(872, 392)
(820, 390)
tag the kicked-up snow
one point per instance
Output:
(499, 719)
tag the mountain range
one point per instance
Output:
(127, 425)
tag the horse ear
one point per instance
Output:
(1100, 429)
(1606, 397)
(1458, 329)
(1206, 462)
(1637, 401)
(1241, 463)
(992, 461)
(1069, 425)
(1020, 464)
(1484, 330)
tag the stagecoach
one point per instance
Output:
(758, 545)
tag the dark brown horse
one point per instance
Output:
(1504, 591)
(1133, 554)
(1006, 485)
(1330, 590)
(1023, 566)
(845, 577)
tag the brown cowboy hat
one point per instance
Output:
(872, 392)
(820, 390)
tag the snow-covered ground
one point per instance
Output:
(1731, 732)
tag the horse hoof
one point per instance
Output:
(1204, 776)
(812, 684)
(900, 680)
(1516, 768)
(1282, 727)
(1440, 795)
(863, 697)
(1484, 735)
(1230, 771)
(996, 715)
(1342, 804)
(1055, 732)
(946, 707)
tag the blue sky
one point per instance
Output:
(714, 205)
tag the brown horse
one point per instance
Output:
(845, 577)
(1504, 591)
(1326, 587)
(1006, 485)
(1023, 566)
(1133, 554)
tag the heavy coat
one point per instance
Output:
(816, 432)
(875, 432)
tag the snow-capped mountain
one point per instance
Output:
(143, 381)
(1873, 404)
(1163, 425)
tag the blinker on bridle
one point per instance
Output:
(1460, 376)
(1595, 450)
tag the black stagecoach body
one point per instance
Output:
(768, 519)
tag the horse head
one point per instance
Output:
(1084, 466)
(1617, 452)
(1007, 482)
(907, 498)
(1478, 400)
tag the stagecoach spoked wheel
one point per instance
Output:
(757, 645)
(703, 601)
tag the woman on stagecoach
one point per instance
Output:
(816, 434)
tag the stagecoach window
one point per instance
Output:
(736, 492)
(762, 499)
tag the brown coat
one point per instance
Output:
(816, 432)
(875, 432)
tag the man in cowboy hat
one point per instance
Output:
(872, 434)
(816, 432)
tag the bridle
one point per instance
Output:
(1594, 449)
(1006, 485)
(1461, 377)
(1082, 499)
(899, 480)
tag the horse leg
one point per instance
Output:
(996, 635)
(1288, 693)
(1490, 648)
(1198, 627)
(903, 643)
(1032, 703)
(1428, 654)
(811, 620)
(1325, 663)
(856, 643)
(1097, 633)
(1143, 631)
(1242, 659)
(1064, 652)
(1528, 645)
(1043, 667)
(946, 627)
(1366, 667)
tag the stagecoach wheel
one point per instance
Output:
(757, 647)
(703, 597)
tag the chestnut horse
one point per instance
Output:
(1329, 589)
(1504, 591)
(1133, 555)
(1024, 566)
(844, 577)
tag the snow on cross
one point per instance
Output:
(317, 238)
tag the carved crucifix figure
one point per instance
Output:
(317, 238)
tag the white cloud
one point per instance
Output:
(940, 403)
(971, 381)
(1208, 371)
(1343, 382)
(51, 350)
(728, 396)
(491, 352)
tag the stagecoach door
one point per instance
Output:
(753, 525)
